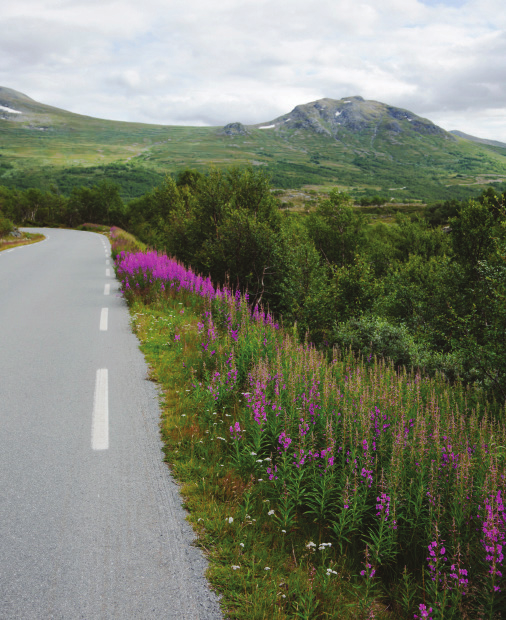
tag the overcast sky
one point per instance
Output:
(208, 62)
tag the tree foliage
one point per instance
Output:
(426, 292)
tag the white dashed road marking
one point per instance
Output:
(104, 315)
(107, 289)
(100, 418)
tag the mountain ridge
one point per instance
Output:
(486, 141)
(324, 116)
(363, 146)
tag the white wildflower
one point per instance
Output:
(235, 567)
(231, 519)
(271, 512)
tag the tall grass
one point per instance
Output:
(389, 482)
(122, 241)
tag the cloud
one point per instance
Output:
(195, 62)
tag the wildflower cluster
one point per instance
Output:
(424, 612)
(494, 528)
(356, 449)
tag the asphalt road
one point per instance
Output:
(91, 524)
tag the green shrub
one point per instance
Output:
(6, 226)
(373, 336)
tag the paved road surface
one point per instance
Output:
(90, 521)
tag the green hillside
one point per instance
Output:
(365, 147)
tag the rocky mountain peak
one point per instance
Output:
(334, 118)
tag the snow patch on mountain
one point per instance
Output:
(10, 110)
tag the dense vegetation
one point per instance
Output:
(6, 226)
(335, 454)
(413, 292)
(323, 486)
(132, 180)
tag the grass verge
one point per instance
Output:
(260, 569)
(26, 238)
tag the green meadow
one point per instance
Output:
(46, 146)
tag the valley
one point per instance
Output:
(364, 147)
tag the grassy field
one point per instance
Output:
(47, 146)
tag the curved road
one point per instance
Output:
(91, 524)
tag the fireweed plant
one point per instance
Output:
(121, 241)
(326, 458)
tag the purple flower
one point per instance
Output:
(284, 440)
(424, 612)
(494, 528)
(235, 431)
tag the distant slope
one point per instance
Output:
(366, 147)
(466, 136)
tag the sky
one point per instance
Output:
(209, 62)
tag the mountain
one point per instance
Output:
(366, 147)
(466, 136)
(353, 115)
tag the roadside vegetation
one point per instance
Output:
(24, 239)
(322, 483)
(8, 241)
(334, 392)
(427, 291)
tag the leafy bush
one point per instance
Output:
(375, 336)
(6, 226)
